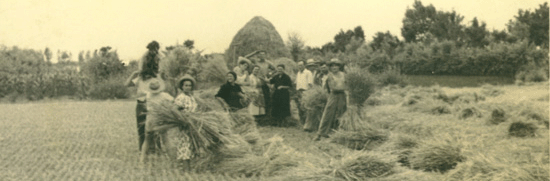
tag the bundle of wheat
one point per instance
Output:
(269, 158)
(314, 100)
(366, 140)
(498, 116)
(522, 129)
(364, 165)
(206, 131)
(436, 157)
(245, 125)
(469, 112)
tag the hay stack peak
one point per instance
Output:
(257, 34)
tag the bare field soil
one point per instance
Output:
(97, 140)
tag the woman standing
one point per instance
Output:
(230, 93)
(254, 88)
(242, 71)
(178, 140)
(337, 99)
(280, 101)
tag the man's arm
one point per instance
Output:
(129, 81)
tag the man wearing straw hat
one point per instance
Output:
(304, 81)
(337, 99)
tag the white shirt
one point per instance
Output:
(304, 79)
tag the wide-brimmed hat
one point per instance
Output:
(310, 62)
(242, 59)
(184, 78)
(335, 61)
(155, 85)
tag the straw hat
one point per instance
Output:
(155, 85)
(242, 59)
(335, 61)
(184, 78)
(310, 62)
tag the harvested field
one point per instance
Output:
(96, 140)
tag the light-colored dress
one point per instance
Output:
(185, 103)
(254, 92)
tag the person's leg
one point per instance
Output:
(140, 117)
(327, 119)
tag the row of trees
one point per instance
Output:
(440, 42)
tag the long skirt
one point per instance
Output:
(280, 103)
(335, 108)
(257, 103)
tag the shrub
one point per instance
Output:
(522, 129)
(392, 76)
(112, 88)
(103, 67)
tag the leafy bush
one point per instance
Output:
(103, 67)
(392, 76)
(112, 88)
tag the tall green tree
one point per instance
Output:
(81, 56)
(532, 26)
(189, 44)
(295, 44)
(48, 54)
(385, 42)
(476, 34)
(421, 22)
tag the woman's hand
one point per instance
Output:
(283, 87)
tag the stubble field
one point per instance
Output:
(97, 140)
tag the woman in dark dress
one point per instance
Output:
(280, 101)
(230, 93)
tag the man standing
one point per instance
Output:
(304, 81)
(321, 75)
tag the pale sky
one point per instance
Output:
(128, 26)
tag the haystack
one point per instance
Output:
(257, 34)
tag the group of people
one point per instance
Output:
(267, 91)
(331, 77)
(151, 91)
(260, 88)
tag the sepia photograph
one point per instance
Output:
(275, 90)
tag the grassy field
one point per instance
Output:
(88, 140)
